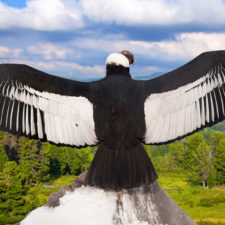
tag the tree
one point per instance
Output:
(219, 162)
(3, 157)
(10, 171)
(158, 155)
(176, 155)
(9, 144)
(157, 150)
(162, 163)
(13, 190)
(74, 161)
(86, 158)
(203, 163)
(197, 159)
(57, 159)
(190, 145)
(215, 139)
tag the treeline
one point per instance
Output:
(201, 155)
(26, 163)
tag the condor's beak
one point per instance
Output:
(134, 63)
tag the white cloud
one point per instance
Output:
(150, 69)
(64, 69)
(4, 51)
(49, 51)
(155, 12)
(57, 59)
(96, 69)
(51, 59)
(16, 52)
(42, 15)
(184, 46)
(129, 11)
(7, 52)
(52, 15)
(104, 45)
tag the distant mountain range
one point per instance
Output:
(146, 77)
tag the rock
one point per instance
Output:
(53, 199)
(148, 205)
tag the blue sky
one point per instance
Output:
(73, 38)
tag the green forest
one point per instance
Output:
(191, 170)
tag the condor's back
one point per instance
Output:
(121, 161)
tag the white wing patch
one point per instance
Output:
(66, 119)
(175, 113)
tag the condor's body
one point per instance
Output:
(121, 161)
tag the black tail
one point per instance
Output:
(117, 169)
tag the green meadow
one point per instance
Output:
(204, 206)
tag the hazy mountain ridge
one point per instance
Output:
(141, 77)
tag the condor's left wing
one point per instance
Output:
(39, 105)
(185, 100)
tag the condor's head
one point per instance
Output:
(118, 63)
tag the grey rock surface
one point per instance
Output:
(149, 205)
(154, 206)
(53, 199)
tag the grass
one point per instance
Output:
(44, 193)
(64, 180)
(204, 206)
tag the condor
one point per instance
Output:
(116, 113)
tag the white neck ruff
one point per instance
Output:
(117, 59)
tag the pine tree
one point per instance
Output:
(219, 162)
(3, 157)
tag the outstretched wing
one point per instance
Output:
(186, 99)
(39, 105)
